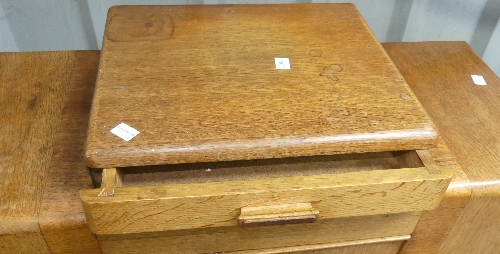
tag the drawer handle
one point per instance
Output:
(260, 216)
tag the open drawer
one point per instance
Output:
(346, 186)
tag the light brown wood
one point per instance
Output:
(63, 223)
(418, 158)
(216, 204)
(379, 248)
(259, 216)
(200, 84)
(32, 90)
(389, 245)
(61, 215)
(468, 118)
(226, 239)
(429, 163)
(408, 158)
(111, 178)
(253, 169)
(25, 242)
(434, 226)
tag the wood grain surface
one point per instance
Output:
(255, 169)
(468, 118)
(271, 215)
(200, 84)
(227, 239)
(386, 245)
(138, 209)
(32, 90)
(61, 215)
(476, 154)
(434, 226)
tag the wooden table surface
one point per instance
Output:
(468, 119)
(200, 84)
(32, 91)
(40, 206)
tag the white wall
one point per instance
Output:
(27, 25)
(7, 42)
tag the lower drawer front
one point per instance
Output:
(389, 245)
(272, 239)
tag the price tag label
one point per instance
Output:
(125, 132)
(282, 63)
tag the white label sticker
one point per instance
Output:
(282, 63)
(124, 131)
(478, 80)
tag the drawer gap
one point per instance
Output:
(264, 168)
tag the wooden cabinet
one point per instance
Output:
(339, 141)
(467, 116)
(63, 227)
(53, 220)
(359, 204)
(362, 190)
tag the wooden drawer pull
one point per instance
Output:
(277, 215)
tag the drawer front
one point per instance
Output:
(386, 245)
(328, 233)
(220, 204)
